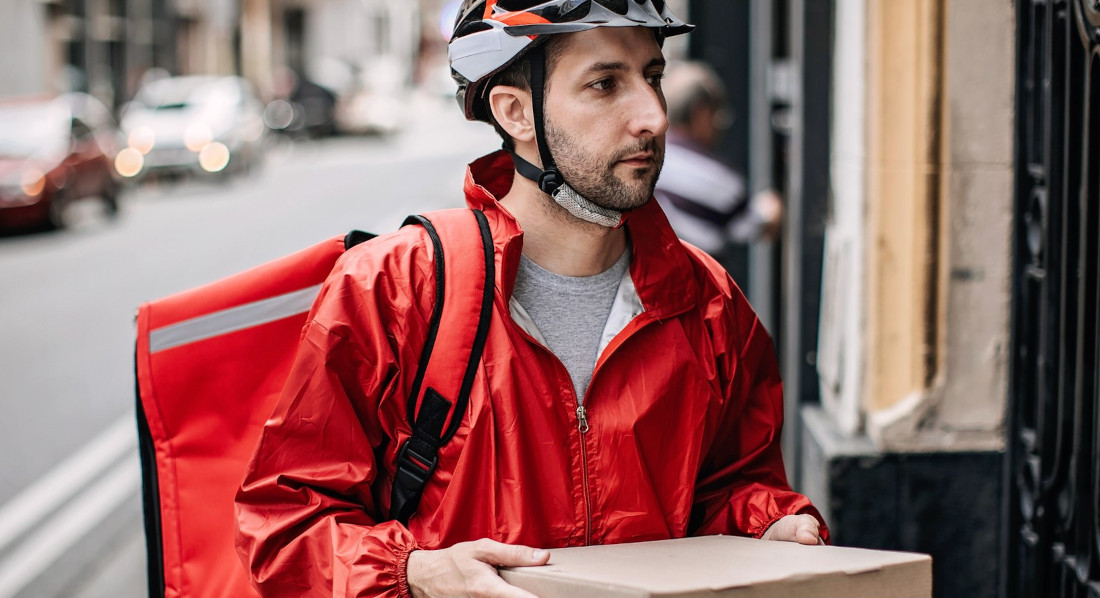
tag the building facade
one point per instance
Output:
(98, 46)
(106, 47)
(934, 299)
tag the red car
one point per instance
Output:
(54, 151)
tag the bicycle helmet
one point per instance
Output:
(491, 35)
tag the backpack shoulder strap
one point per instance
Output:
(457, 331)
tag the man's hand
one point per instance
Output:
(803, 529)
(768, 206)
(469, 569)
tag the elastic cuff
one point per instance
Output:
(402, 571)
(759, 531)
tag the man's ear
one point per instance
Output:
(512, 110)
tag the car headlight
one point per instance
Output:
(33, 182)
(214, 157)
(142, 139)
(197, 136)
(129, 162)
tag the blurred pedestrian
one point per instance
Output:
(626, 391)
(706, 200)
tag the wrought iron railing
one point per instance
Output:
(1053, 515)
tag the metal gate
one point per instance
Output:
(1053, 527)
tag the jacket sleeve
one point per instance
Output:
(307, 520)
(742, 488)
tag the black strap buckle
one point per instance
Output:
(413, 468)
(550, 181)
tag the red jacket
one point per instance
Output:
(684, 412)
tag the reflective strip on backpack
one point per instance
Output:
(233, 319)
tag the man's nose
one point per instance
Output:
(650, 118)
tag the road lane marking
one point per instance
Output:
(62, 531)
(28, 508)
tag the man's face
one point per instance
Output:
(605, 114)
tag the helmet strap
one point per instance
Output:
(567, 197)
(549, 178)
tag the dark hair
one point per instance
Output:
(518, 75)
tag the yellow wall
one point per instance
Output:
(940, 112)
(904, 91)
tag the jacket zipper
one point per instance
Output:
(582, 415)
(582, 422)
(582, 427)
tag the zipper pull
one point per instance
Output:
(582, 421)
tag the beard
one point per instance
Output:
(594, 177)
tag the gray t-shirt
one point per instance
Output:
(570, 312)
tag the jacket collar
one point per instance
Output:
(660, 268)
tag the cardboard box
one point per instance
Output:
(716, 566)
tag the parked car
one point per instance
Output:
(192, 125)
(302, 109)
(54, 151)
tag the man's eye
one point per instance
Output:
(603, 84)
(655, 80)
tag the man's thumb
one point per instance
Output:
(525, 556)
(509, 555)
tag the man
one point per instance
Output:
(706, 200)
(626, 391)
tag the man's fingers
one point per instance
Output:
(806, 535)
(807, 530)
(469, 569)
(504, 555)
(803, 529)
(492, 585)
(508, 555)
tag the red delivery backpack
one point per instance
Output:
(212, 361)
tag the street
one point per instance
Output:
(70, 518)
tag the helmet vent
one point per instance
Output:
(616, 6)
(471, 27)
(518, 4)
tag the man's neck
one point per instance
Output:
(558, 241)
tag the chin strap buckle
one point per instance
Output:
(549, 181)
